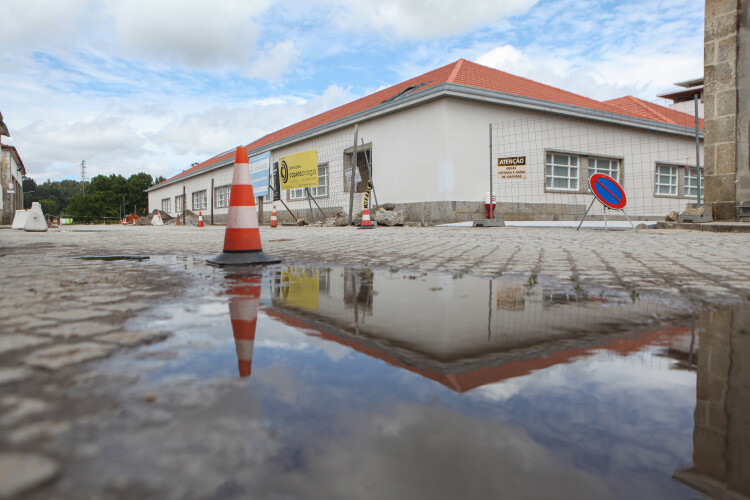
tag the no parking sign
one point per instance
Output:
(608, 191)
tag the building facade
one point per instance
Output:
(11, 175)
(433, 144)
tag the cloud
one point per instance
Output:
(193, 32)
(425, 19)
(273, 62)
(33, 23)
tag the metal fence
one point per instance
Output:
(541, 167)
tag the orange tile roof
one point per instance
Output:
(650, 111)
(471, 74)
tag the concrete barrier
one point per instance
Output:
(19, 219)
(35, 219)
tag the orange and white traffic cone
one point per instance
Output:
(366, 224)
(274, 221)
(134, 222)
(200, 219)
(243, 311)
(242, 236)
(123, 222)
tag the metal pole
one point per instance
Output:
(369, 171)
(309, 202)
(605, 218)
(492, 212)
(184, 205)
(697, 152)
(213, 202)
(584, 215)
(354, 164)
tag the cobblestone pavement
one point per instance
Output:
(60, 313)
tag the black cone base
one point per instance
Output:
(242, 259)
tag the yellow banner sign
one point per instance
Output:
(300, 288)
(299, 170)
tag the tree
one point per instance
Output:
(137, 185)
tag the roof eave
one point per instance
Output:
(459, 91)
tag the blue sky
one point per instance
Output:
(154, 85)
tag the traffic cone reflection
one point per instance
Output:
(242, 236)
(243, 311)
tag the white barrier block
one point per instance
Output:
(19, 220)
(35, 219)
(156, 220)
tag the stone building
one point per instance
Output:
(11, 176)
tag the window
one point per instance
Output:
(604, 166)
(199, 200)
(691, 182)
(666, 180)
(178, 203)
(166, 205)
(561, 172)
(320, 191)
(221, 196)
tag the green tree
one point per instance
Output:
(50, 205)
(137, 196)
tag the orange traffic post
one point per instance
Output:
(366, 224)
(242, 236)
(274, 220)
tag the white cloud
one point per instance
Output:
(425, 19)
(273, 62)
(193, 32)
(33, 23)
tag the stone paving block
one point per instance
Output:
(131, 339)
(80, 329)
(45, 429)
(17, 408)
(59, 356)
(15, 374)
(76, 314)
(21, 472)
(17, 341)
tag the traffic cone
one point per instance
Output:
(134, 222)
(274, 221)
(178, 223)
(366, 224)
(243, 311)
(55, 224)
(242, 236)
(200, 219)
(123, 222)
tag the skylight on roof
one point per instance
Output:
(407, 90)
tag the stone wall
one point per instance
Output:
(727, 122)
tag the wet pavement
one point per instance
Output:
(164, 377)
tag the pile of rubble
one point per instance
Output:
(386, 215)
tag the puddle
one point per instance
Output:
(351, 383)
(115, 257)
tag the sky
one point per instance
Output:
(154, 85)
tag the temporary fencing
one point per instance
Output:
(541, 166)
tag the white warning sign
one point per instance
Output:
(511, 168)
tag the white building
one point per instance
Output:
(427, 141)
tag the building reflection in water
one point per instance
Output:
(721, 436)
(244, 300)
(464, 332)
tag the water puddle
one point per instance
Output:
(307, 382)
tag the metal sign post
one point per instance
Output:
(610, 194)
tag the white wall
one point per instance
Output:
(438, 151)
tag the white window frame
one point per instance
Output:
(199, 200)
(221, 196)
(319, 191)
(179, 203)
(166, 205)
(595, 166)
(691, 182)
(550, 174)
(672, 177)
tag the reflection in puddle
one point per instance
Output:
(448, 387)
